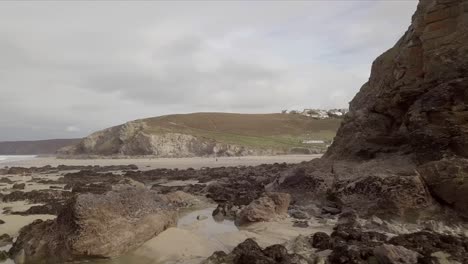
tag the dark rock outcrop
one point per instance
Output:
(19, 186)
(408, 126)
(249, 252)
(415, 99)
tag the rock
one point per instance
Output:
(407, 112)
(138, 138)
(376, 221)
(413, 109)
(389, 254)
(249, 252)
(321, 241)
(202, 217)
(52, 208)
(443, 258)
(6, 180)
(19, 186)
(428, 243)
(96, 226)
(301, 246)
(331, 210)
(301, 224)
(299, 214)
(265, 208)
(3, 255)
(1, 222)
(446, 180)
(5, 239)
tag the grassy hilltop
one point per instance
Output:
(265, 131)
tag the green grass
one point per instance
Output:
(268, 131)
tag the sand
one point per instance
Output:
(153, 163)
(13, 223)
(193, 240)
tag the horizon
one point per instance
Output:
(108, 63)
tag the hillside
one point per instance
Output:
(35, 147)
(201, 134)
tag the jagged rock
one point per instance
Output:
(389, 254)
(19, 186)
(95, 226)
(321, 241)
(265, 208)
(298, 214)
(5, 239)
(415, 99)
(249, 252)
(446, 180)
(428, 243)
(6, 180)
(37, 196)
(331, 210)
(1, 222)
(414, 107)
(301, 224)
(3, 255)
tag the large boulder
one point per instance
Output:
(265, 208)
(96, 226)
(447, 180)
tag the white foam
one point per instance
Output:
(6, 158)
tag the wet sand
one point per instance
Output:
(154, 163)
(13, 223)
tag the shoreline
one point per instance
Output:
(148, 163)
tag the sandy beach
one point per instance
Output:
(170, 163)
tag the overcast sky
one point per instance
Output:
(68, 68)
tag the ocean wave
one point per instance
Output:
(6, 158)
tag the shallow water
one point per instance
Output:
(192, 241)
(13, 158)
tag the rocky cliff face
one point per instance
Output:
(415, 101)
(406, 135)
(132, 139)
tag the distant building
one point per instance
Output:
(313, 142)
(318, 113)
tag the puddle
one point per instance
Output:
(179, 183)
(30, 186)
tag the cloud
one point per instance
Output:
(72, 129)
(98, 64)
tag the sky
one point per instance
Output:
(69, 68)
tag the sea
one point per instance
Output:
(9, 158)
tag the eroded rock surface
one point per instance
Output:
(265, 208)
(96, 226)
(413, 109)
(133, 138)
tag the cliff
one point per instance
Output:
(404, 144)
(205, 134)
(34, 147)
